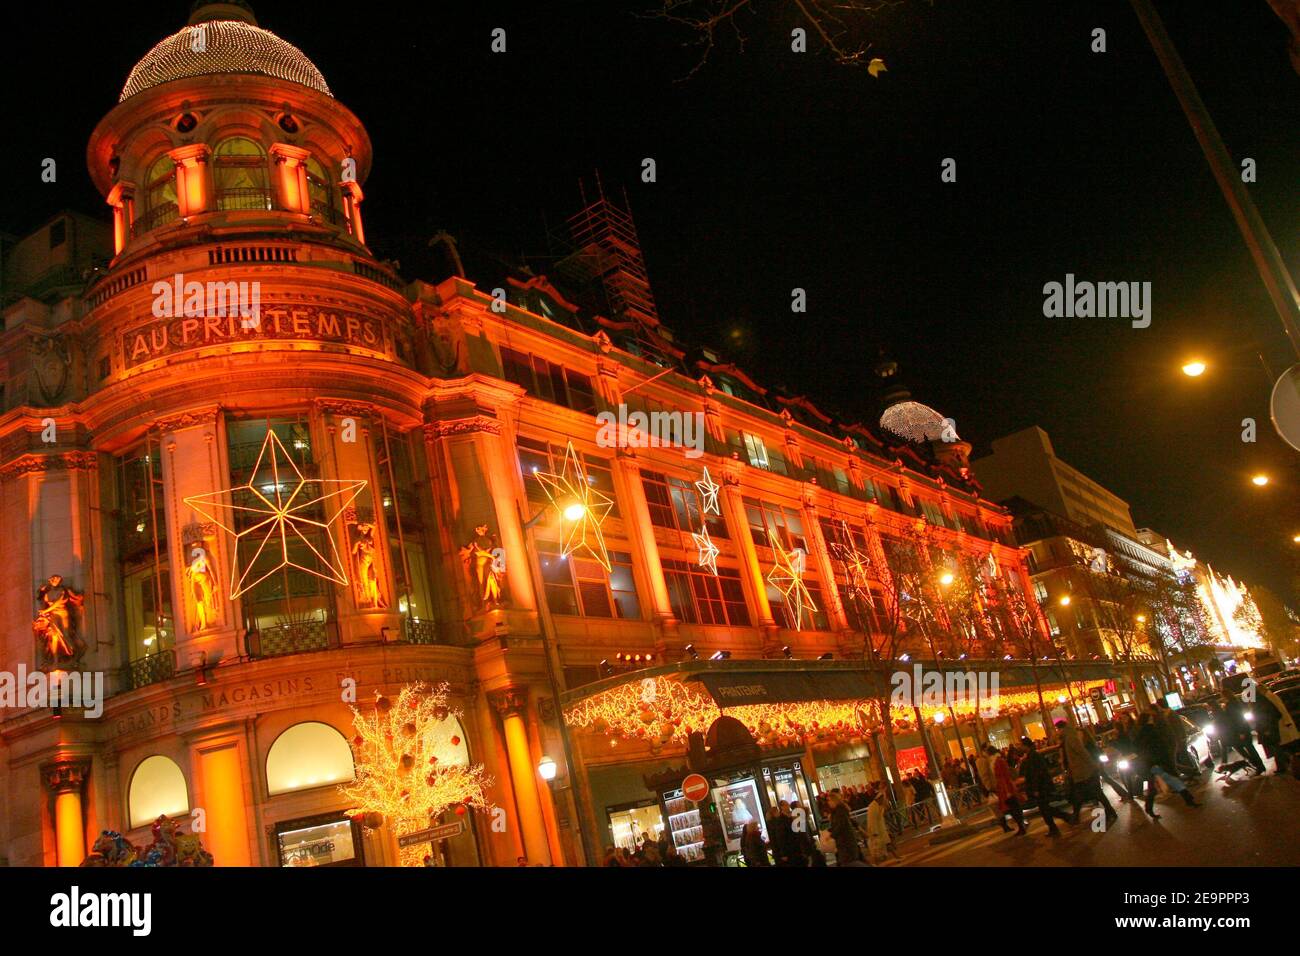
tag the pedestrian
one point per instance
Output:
(1238, 730)
(1123, 747)
(847, 848)
(801, 840)
(984, 769)
(780, 833)
(1152, 757)
(1004, 786)
(611, 857)
(1038, 784)
(752, 847)
(1083, 768)
(879, 842)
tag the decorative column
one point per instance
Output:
(65, 779)
(195, 463)
(641, 532)
(821, 558)
(752, 574)
(352, 197)
(222, 791)
(510, 703)
(192, 192)
(291, 178)
(122, 198)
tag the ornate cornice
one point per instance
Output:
(191, 419)
(463, 426)
(329, 406)
(40, 464)
(66, 774)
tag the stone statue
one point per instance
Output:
(364, 567)
(56, 624)
(201, 579)
(485, 560)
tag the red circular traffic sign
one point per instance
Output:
(695, 788)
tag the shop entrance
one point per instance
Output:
(630, 824)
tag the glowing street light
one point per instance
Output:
(546, 769)
(1065, 600)
(946, 578)
(1194, 368)
(1261, 480)
(574, 512)
(1141, 618)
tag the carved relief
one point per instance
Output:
(365, 569)
(52, 365)
(485, 563)
(202, 583)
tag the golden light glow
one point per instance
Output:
(708, 551)
(1260, 480)
(1194, 368)
(946, 578)
(1142, 618)
(284, 512)
(1065, 600)
(584, 508)
(398, 773)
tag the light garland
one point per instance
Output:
(222, 46)
(281, 518)
(400, 774)
(664, 710)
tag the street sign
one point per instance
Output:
(695, 788)
(431, 834)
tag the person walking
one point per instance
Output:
(1038, 784)
(984, 769)
(1238, 730)
(879, 843)
(848, 850)
(1152, 758)
(1084, 770)
(1004, 786)
(780, 832)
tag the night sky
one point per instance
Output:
(778, 170)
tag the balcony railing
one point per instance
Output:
(157, 216)
(298, 637)
(151, 669)
(419, 631)
(244, 197)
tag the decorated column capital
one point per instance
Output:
(65, 775)
(510, 701)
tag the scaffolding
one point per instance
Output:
(606, 251)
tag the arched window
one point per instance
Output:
(240, 174)
(308, 755)
(157, 788)
(320, 191)
(160, 195)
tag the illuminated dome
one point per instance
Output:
(222, 38)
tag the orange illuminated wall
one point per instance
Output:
(223, 794)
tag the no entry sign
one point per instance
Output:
(695, 788)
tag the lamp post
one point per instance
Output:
(549, 651)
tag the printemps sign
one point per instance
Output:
(282, 323)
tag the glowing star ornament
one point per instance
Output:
(284, 516)
(857, 566)
(787, 577)
(708, 557)
(708, 494)
(582, 508)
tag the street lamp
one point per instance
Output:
(1194, 368)
(547, 769)
(1260, 480)
(1065, 600)
(946, 578)
(574, 512)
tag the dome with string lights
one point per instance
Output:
(222, 38)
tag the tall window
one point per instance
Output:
(240, 174)
(144, 555)
(539, 456)
(320, 192)
(289, 598)
(580, 586)
(769, 523)
(698, 597)
(549, 382)
(674, 503)
(160, 195)
(404, 521)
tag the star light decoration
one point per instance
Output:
(282, 512)
(582, 508)
(857, 566)
(787, 577)
(708, 494)
(708, 556)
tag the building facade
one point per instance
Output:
(251, 476)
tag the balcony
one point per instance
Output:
(151, 669)
(295, 637)
(419, 631)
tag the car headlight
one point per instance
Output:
(1123, 765)
(1105, 759)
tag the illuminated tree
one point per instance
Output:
(408, 768)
